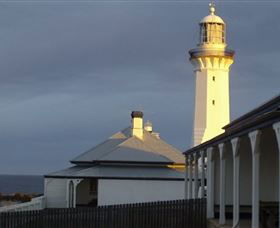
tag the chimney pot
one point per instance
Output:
(138, 114)
(148, 126)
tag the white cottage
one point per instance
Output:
(134, 165)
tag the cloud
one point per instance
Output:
(70, 74)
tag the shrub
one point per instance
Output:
(17, 197)
(26, 198)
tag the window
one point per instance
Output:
(213, 102)
(213, 78)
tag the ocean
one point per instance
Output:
(10, 184)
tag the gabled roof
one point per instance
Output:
(122, 147)
(119, 172)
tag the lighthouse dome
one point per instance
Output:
(212, 19)
(212, 29)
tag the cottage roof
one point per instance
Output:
(124, 148)
(113, 171)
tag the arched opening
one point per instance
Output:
(269, 178)
(245, 177)
(71, 194)
(216, 181)
(87, 193)
(228, 181)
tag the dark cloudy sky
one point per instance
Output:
(71, 72)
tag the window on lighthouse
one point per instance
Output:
(204, 33)
(223, 34)
(212, 33)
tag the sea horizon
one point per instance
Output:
(21, 183)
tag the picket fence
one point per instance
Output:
(164, 214)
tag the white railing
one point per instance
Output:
(37, 203)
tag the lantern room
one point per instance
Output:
(212, 28)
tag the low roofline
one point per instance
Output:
(270, 104)
(114, 178)
(263, 121)
(125, 162)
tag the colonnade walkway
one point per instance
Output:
(239, 170)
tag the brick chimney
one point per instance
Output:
(137, 124)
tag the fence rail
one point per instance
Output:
(164, 214)
(36, 203)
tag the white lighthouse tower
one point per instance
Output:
(211, 60)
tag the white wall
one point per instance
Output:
(56, 193)
(136, 191)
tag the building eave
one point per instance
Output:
(258, 123)
(272, 104)
(113, 178)
(124, 162)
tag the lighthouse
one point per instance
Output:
(211, 60)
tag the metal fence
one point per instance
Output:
(163, 214)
